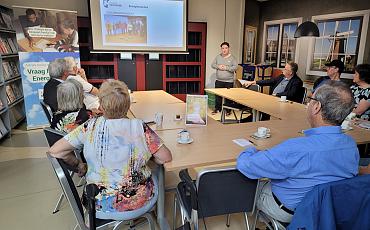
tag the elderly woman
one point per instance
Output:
(117, 150)
(361, 91)
(71, 111)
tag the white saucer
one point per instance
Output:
(255, 135)
(283, 101)
(179, 119)
(190, 140)
(347, 129)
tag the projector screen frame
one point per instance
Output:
(186, 51)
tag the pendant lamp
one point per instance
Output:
(307, 29)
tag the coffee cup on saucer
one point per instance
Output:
(283, 98)
(346, 124)
(184, 137)
(177, 117)
(158, 119)
(262, 132)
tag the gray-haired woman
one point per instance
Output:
(71, 110)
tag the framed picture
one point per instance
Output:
(250, 40)
(196, 109)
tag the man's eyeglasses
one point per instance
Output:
(311, 98)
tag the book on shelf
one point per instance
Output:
(7, 46)
(16, 90)
(16, 114)
(7, 20)
(3, 129)
(10, 69)
(10, 94)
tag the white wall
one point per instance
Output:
(210, 11)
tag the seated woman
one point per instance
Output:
(361, 91)
(71, 110)
(117, 150)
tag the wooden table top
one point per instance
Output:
(154, 97)
(213, 143)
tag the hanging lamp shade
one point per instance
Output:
(307, 29)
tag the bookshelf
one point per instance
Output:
(11, 96)
(184, 73)
(98, 66)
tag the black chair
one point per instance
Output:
(233, 106)
(215, 192)
(47, 110)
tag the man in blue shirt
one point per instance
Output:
(295, 166)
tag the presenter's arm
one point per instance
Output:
(214, 64)
(232, 68)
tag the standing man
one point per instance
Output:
(225, 65)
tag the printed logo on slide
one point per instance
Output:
(105, 3)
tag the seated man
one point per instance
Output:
(288, 84)
(333, 69)
(91, 99)
(58, 73)
(295, 166)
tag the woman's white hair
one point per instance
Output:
(70, 95)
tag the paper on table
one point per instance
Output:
(42, 44)
(242, 81)
(242, 142)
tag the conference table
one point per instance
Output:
(213, 144)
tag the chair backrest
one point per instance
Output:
(256, 88)
(224, 191)
(47, 110)
(53, 135)
(69, 189)
(343, 204)
(304, 94)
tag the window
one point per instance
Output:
(339, 39)
(272, 44)
(279, 42)
(343, 37)
(288, 44)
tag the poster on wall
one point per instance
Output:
(34, 69)
(43, 35)
(196, 109)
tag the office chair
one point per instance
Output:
(237, 107)
(215, 192)
(47, 110)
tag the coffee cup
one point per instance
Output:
(262, 131)
(345, 124)
(184, 136)
(177, 117)
(158, 119)
(283, 98)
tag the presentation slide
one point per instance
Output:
(139, 25)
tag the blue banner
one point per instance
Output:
(34, 71)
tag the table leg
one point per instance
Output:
(161, 219)
(222, 110)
